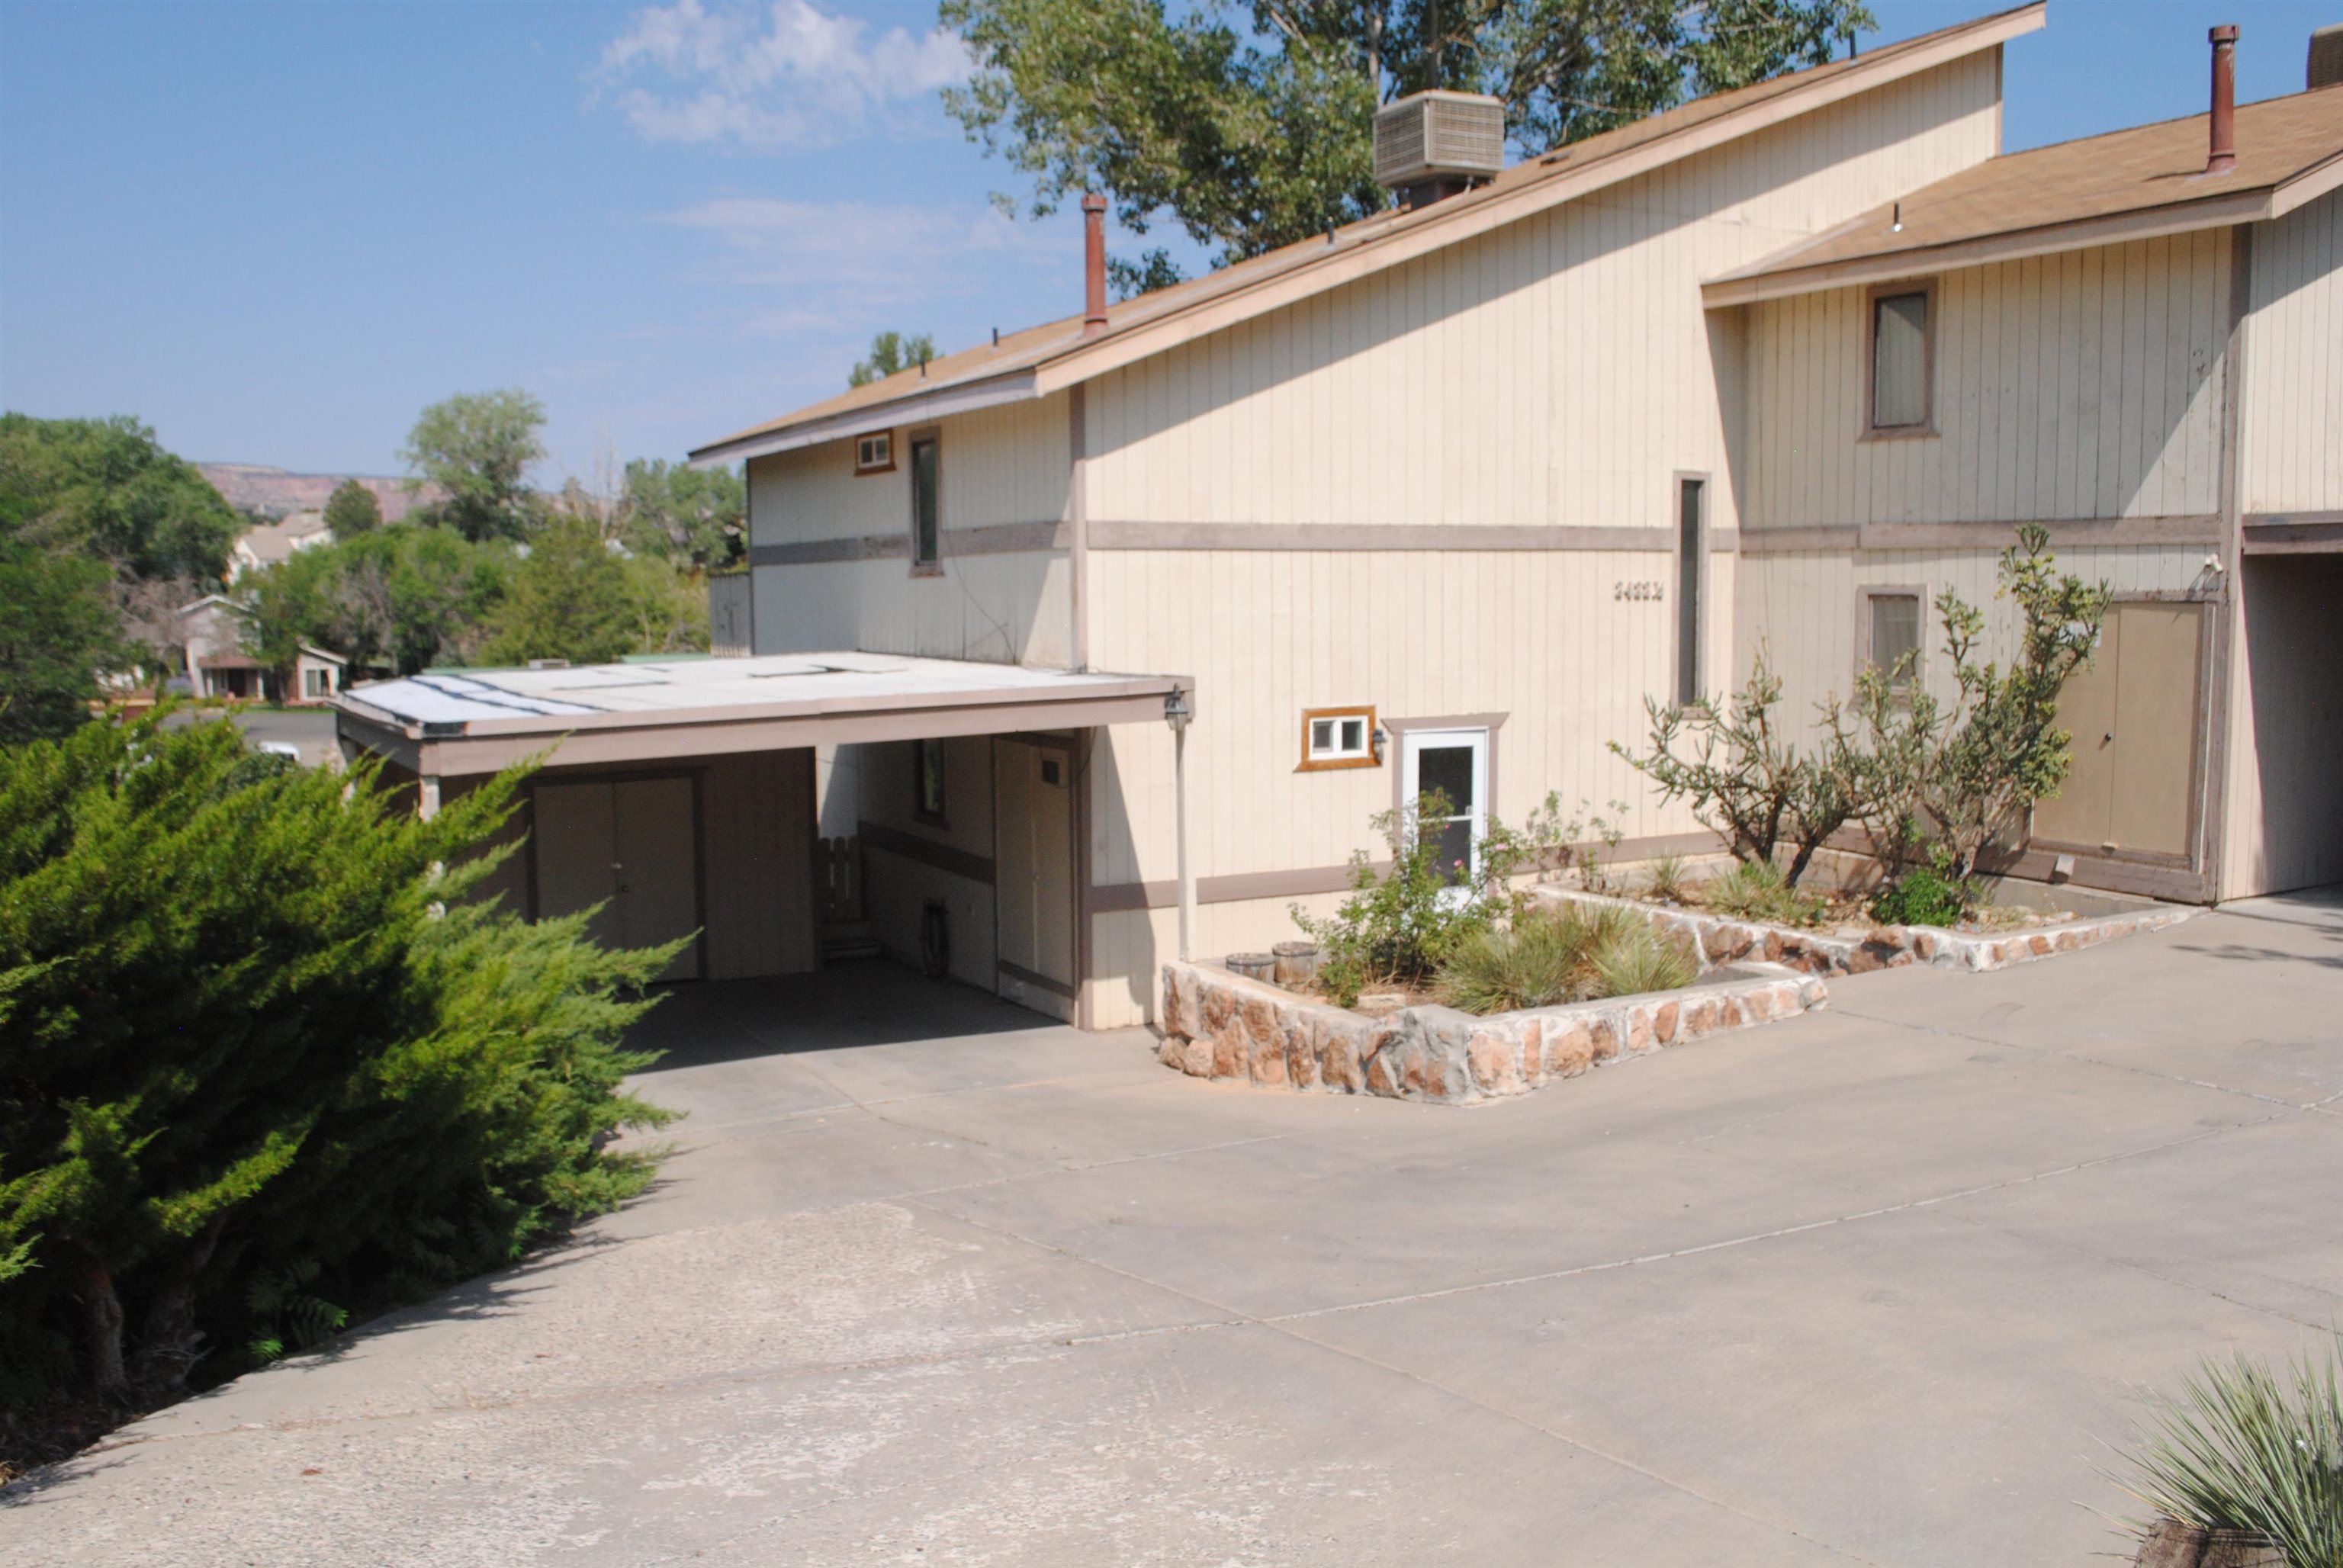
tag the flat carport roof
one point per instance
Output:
(472, 721)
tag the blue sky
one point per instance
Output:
(275, 231)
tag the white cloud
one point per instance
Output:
(827, 255)
(788, 75)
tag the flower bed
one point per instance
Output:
(1722, 940)
(1218, 1024)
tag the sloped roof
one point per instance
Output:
(1041, 359)
(2125, 185)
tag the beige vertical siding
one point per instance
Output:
(2084, 385)
(896, 887)
(1803, 606)
(2284, 809)
(1557, 371)
(755, 859)
(1001, 466)
(2292, 435)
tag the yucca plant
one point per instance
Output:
(2242, 1450)
(1667, 877)
(1577, 953)
(1638, 959)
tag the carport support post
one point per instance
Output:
(1176, 714)
(427, 796)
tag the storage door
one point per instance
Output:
(657, 873)
(570, 832)
(1033, 874)
(2133, 716)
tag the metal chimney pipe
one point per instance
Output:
(2224, 154)
(1094, 263)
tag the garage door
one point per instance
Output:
(2133, 715)
(626, 845)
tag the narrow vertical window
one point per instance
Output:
(1894, 633)
(926, 532)
(927, 782)
(1690, 558)
(1899, 361)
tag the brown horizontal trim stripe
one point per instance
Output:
(2293, 538)
(1000, 540)
(958, 863)
(1024, 976)
(1308, 536)
(1252, 886)
(2179, 528)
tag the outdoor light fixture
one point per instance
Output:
(1176, 712)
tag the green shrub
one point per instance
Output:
(1397, 926)
(1755, 890)
(2242, 1450)
(1642, 958)
(1922, 896)
(1543, 959)
(262, 1068)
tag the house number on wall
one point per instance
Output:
(1637, 591)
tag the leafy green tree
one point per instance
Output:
(57, 632)
(262, 1065)
(403, 597)
(103, 486)
(572, 599)
(699, 514)
(1255, 131)
(352, 509)
(891, 352)
(476, 447)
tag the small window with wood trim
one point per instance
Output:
(1891, 634)
(1338, 738)
(875, 453)
(1903, 341)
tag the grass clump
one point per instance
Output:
(1544, 959)
(1757, 890)
(1666, 878)
(2247, 1450)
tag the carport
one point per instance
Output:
(677, 794)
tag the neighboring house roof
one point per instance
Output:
(1043, 359)
(2131, 184)
(271, 543)
(327, 654)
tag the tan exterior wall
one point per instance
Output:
(2284, 817)
(1000, 467)
(897, 883)
(1555, 372)
(2082, 385)
(2292, 416)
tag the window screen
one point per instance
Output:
(1899, 360)
(1896, 635)
(924, 541)
(1688, 590)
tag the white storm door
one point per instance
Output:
(653, 832)
(1455, 762)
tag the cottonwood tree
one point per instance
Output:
(105, 489)
(891, 352)
(1250, 126)
(695, 514)
(477, 447)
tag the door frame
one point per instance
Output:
(1483, 741)
(698, 778)
(1071, 747)
(2195, 857)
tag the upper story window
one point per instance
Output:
(1902, 354)
(1691, 582)
(875, 453)
(1892, 634)
(927, 503)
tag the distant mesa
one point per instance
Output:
(259, 490)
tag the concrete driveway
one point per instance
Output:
(932, 1281)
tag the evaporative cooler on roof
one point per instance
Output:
(1434, 144)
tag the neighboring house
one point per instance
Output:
(212, 632)
(268, 544)
(1443, 498)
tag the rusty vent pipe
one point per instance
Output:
(2223, 156)
(1093, 265)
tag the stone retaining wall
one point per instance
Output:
(1720, 939)
(1217, 1024)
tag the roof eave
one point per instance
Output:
(960, 397)
(1921, 261)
